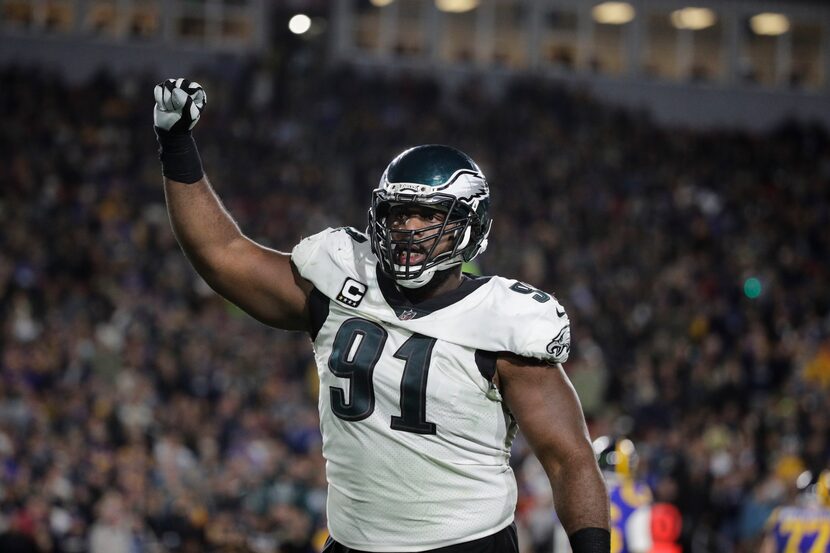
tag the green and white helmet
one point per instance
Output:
(437, 177)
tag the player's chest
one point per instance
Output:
(415, 382)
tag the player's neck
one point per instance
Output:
(441, 283)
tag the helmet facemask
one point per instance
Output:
(435, 177)
(412, 257)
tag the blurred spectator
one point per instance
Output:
(112, 530)
(18, 538)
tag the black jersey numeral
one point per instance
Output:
(356, 350)
(523, 288)
(416, 351)
(354, 354)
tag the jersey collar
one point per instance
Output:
(406, 310)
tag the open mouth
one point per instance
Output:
(410, 257)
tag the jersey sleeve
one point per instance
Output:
(771, 524)
(548, 336)
(306, 255)
(327, 258)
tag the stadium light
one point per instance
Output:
(380, 3)
(693, 19)
(613, 13)
(299, 24)
(769, 24)
(456, 6)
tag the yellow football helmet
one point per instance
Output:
(616, 455)
(823, 488)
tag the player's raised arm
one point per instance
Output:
(547, 409)
(260, 280)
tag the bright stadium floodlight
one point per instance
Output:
(769, 24)
(299, 24)
(613, 13)
(693, 19)
(380, 3)
(456, 6)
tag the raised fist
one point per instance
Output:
(179, 103)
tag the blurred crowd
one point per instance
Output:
(139, 412)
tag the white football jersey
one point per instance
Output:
(415, 436)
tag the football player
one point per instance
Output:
(802, 528)
(424, 372)
(630, 499)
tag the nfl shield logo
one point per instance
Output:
(407, 315)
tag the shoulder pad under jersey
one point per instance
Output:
(539, 326)
(330, 254)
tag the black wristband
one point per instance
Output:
(179, 156)
(591, 540)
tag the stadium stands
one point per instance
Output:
(140, 412)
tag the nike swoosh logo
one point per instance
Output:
(560, 313)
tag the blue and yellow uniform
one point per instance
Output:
(800, 529)
(627, 497)
(630, 500)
